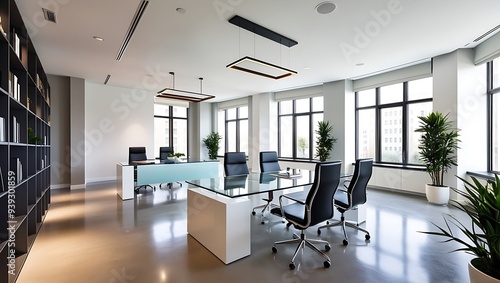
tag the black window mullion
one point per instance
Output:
(378, 128)
(404, 125)
(311, 129)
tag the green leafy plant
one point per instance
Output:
(176, 154)
(212, 144)
(32, 137)
(437, 145)
(482, 240)
(325, 140)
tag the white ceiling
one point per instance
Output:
(381, 34)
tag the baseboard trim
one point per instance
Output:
(77, 187)
(59, 186)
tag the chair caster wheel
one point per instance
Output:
(292, 265)
(345, 242)
(367, 237)
(326, 264)
(253, 212)
(319, 232)
(288, 225)
(327, 248)
(275, 250)
(262, 222)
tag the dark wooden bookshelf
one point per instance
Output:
(25, 159)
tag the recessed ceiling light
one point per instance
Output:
(98, 38)
(325, 7)
(181, 10)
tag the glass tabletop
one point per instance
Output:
(256, 183)
(253, 183)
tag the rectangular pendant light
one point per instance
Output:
(183, 95)
(261, 68)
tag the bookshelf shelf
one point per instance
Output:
(25, 154)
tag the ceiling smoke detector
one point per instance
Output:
(325, 8)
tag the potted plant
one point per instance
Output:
(32, 137)
(176, 155)
(482, 239)
(325, 140)
(437, 147)
(212, 144)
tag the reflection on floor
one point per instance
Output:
(92, 236)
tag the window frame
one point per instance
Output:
(237, 120)
(294, 116)
(170, 117)
(491, 93)
(378, 107)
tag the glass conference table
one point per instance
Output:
(219, 209)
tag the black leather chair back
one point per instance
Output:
(235, 163)
(320, 196)
(359, 181)
(165, 151)
(136, 154)
(269, 161)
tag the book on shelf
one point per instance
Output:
(16, 43)
(16, 130)
(1, 28)
(3, 135)
(17, 167)
(14, 87)
(1, 180)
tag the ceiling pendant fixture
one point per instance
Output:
(256, 66)
(172, 93)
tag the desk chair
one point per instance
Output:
(235, 163)
(138, 154)
(165, 151)
(351, 196)
(316, 208)
(268, 161)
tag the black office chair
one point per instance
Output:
(138, 154)
(351, 196)
(165, 151)
(316, 208)
(235, 163)
(268, 161)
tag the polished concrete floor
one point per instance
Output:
(92, 236)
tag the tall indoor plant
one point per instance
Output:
(437, 148)
(482, 238)
(212, 144)
(324, 141)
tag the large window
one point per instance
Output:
(171, 127)
(386, 119)
(233, 126)
(494, 114)
(297, 124)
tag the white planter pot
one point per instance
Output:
(476, 276)
(437, 195)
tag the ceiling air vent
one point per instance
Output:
(490, 32)
(49, 15)
(135, 21)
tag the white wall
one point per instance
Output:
(115, 119)
(60, 132)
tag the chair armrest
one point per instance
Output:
(290, 198)
(346, 182)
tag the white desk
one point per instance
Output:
(161, 173)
